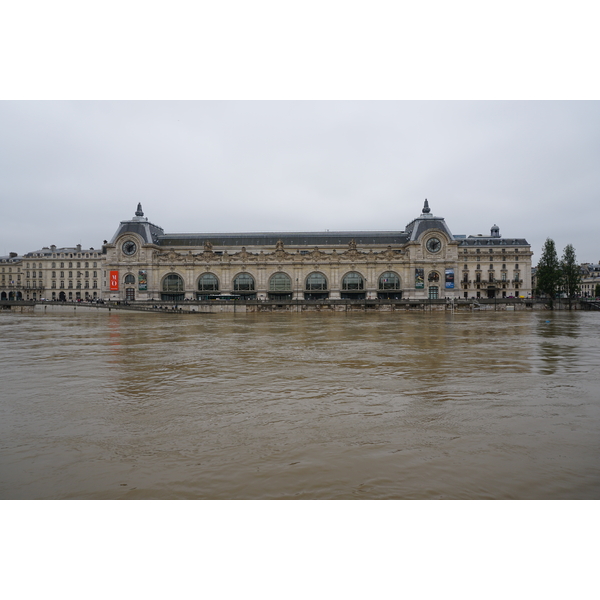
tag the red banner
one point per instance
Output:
(114, 281)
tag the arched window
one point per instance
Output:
(316, 281)
(243, 283)
(433, 277)
(130, 278)
(389, 281)
(208, 283)
(280, 282)
(353, 281)
(172, 283)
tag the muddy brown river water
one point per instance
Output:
(309, 406)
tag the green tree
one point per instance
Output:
(549, 272)
(597, 291)
(571, 274)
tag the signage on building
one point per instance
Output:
(142, 281)
(114, 281)
(419, 279)
(449, 279)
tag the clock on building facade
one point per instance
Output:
(434, 245)
(129, 248)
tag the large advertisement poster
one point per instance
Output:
(419, 279)
(449, 279)
(142, 281)
(114, 281)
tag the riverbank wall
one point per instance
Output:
(254, 306)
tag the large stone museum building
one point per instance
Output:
(426, 260)
(143, 263)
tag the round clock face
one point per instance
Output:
(434, 245)
(129, 248)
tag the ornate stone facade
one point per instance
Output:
(425, 260)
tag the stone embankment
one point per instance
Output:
(252, 306)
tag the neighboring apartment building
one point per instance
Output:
(67, 274)
(10, 277)
(590, 277)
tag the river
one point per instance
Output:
(404, 405)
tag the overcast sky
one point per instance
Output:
(70, 171)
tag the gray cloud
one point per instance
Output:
(70, 171)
